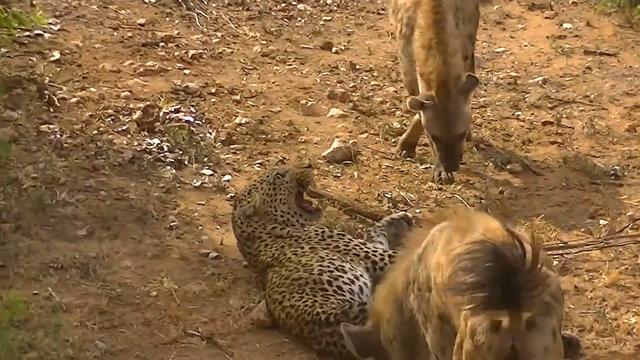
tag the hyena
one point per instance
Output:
(474, 289)
(436, 46)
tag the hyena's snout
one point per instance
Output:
(450, 155)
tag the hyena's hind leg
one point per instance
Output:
(387, 232)
(469, 37)
(406, 58)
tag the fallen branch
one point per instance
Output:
(580, 245)
(349, 207)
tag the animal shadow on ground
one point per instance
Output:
(575, 190)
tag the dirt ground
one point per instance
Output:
(107, 207)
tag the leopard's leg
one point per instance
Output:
(387, 232)
(312, 303)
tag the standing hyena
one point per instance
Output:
(436, 44)
(475, 289)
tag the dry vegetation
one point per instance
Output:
(126, 127)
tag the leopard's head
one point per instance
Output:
(278, 195)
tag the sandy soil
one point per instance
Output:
(105, 209)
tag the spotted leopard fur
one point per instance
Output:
(314, 277)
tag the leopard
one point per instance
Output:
(313, 276)
(475, 288)
(435, 41)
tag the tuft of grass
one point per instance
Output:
(24, 334)
(13, 310)
(5, 151)
(12, 20)
(630, 9)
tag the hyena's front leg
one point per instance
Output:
(409, 140)
(407, 143)
(406, 57)
(387, 232)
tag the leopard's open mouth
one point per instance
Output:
(306, 205)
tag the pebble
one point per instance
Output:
(336, 113)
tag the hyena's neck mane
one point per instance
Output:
(436, 47)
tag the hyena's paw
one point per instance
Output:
(440, 176)
(406, 150)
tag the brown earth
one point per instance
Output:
(104, 237)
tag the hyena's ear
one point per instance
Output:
(470, 83)
(421, 102)
(363, 342)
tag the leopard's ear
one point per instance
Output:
(248, 206)
(363, 342)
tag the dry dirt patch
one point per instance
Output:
(132, 124)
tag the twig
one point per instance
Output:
(574, 101)
(598, 52)
(217, 343)
(461, 199)
(584, 244)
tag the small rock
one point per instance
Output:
(85, 231)
(241, 120)
(125, 95)
(147, 117)
(55, 55)
(9, 116)
(101, 346)
(187, 88)
(631, 127)
(500, 50)
(326, 45)
(340, 95)
(550, 14)
(214, 256)
(514, 168)
(260, 316)
(341, 152)
(227, 138)
(48, 128)
(567, 26)
(191, 88)
(226, 178)
(150, 69)
(204, 252)
(303, 7)
(206, 172)
(310, 109)
(336, 113)
(141, 21)
(615, 172)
